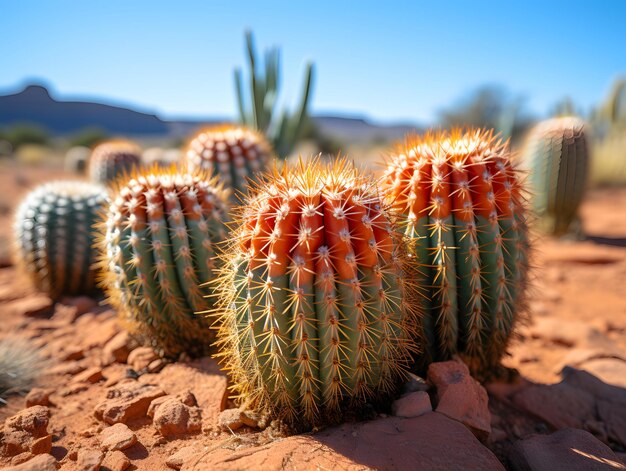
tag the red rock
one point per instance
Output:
(156, 365)
(41, 445)
(126, 401)
(117, 437)
(186, 397)
(117, 349)
(412, 405)
(609, 370)
(70, 368)
(21, 458)
(460, 397)
(73, 353)
(38, 463)
(182, 456)
(89, 460)
(173, 417)
(559, 405)
(36, 305)
(141, 357)
(584, 380)
(38, 397)
(230, 420)
(430, 441)
(91, 375)
(26, 431)
(82, 304)
(108, 328)
(614, 417)
(115, 461)
(567, 450)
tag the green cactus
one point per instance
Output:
(54, 236)
(315, 318)
(234, 154)
(459, 200)
(158, 245)
(283, 132)
(112, 160)
(556, 153)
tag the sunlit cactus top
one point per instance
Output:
(233, 153)
(112, 159)
(460, 199)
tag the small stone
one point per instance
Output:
(73, 389)
(115, 461)
(173, 417)
(230, 419)
(91, 375)
(414, 384)
(38, 397)
(250, 419)
(69, 368)
(156, 365)
(21, 458)
(89, 460)
(614, 417)
(412, 405)
(38, 463)
(73, 353)
(117, 349)
(141, 357)
(117, 437)
(178, 459)
(82, 304)
(460, 397)
(126, 401)
(41, 445)
(37, 305)
(497, 435)
(24, 431)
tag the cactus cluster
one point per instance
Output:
(315, 316)
(113, 159)
(234, 154)
(54, 236)
(158, 244)
(557, 156)
(459, 200)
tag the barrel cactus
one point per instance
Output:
(113, 159)
(54, 236)
(234, 154)
(557, 156)
(315, 316)
(460, 202)
(158, 243)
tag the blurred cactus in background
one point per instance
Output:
(260, 113)
(76, 159)
(234, 154)
(557, 155)
(459, 201)
(110, 160)
(158, 247)
(54, 236)
(160, 157)
(314, 312)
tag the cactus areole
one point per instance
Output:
(314, 317)
(460, 201)
(158, 248)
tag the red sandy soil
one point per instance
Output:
(578, 318)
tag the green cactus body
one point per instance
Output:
(54, 236)
(459, 200)
(112, 160)
(314, 313)
(158, 248)
(234, 154)
(557, 156)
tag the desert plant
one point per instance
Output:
(314, 312)
(283, 132)
(158, 244)
(234, 154)
(54, 236)
(20, 365)
(76, 159)
(556, 154)
(113, 159)
(459, 200)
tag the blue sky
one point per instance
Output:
(390, 60)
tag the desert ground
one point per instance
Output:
(105, 403)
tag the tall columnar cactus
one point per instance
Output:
(158, 248)
(314, 313)
(282, 131)
(459, 200)
(113, 159)
(54, 236)
(234, 154)
(556, 154)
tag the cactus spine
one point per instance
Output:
(112, 159)
(54, 236)
(234, 154)
(313, 312)
(459, 200)
(158, 247)
(282, 132)
(557, 156)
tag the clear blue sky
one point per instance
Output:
(390, 60)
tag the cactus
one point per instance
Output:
(235, 154)
(282, 132)
(158, 243)
(459, 200)
(313, 313)
(54, 236)
(112, 160)
(556, 155)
